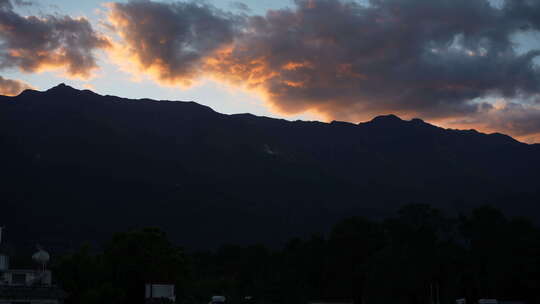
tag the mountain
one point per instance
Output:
(79, 166)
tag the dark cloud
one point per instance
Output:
(36, 43)
(524, 12)
(520, 120)
(11, 87)
(24, 3)
(6, 5)
(240, 6)
(343, 59)
(416, 57)
(170, 39)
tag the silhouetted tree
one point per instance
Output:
(418, 256)
(118, 275)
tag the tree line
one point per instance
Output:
(418, 256)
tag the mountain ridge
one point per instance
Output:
(77, 157)
(385, 118)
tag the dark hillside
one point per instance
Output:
(78, 165)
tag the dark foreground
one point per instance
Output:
(409, 258)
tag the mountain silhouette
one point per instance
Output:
(79, 166)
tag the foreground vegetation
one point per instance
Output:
(418, 255)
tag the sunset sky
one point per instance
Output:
(455, 63)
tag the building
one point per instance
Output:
(159, 293)
(218, 300)
(28, 286)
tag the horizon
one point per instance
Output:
(477, 71)
(387, 115)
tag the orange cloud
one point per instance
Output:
(519, 120)
(168, 42)
(9, 87)
(35, 44)
(339, 59)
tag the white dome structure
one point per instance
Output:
(41, 257)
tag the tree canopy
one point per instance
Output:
(418, 256)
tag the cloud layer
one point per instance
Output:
(49, 42)
(434, 59)
(442, 60)
(169, 40)
(9, 87)
(522, 121)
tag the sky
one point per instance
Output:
(454, 63)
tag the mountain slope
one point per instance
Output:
(79, 166)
